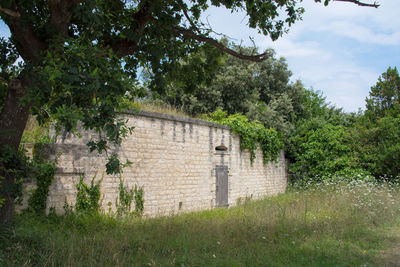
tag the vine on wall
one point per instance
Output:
(125, 199)
(87, 196)
(250, 133)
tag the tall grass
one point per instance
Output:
(332, 224)
(156, 106)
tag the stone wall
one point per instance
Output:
(174, 159)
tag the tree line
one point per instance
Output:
(321, 140)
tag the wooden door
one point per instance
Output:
(221, 186)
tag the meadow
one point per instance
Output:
(333, 223)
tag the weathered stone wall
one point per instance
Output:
(174, 159)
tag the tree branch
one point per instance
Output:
(189, 34)
(126, 47)
(184, 10)
(29, 44)
(60, 16)
(10, 12)
(375, 4)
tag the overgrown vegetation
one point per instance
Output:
(251, 134)
(328, 224)
(87, 196)
(124, 200)
(43, 175)
(15, 164)
(320, 139)
(36, 169)
(35, 132)
(139, 200)
(261, 91)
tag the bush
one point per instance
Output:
(320, 152)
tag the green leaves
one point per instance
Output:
(251, 133)
(384, 97)
(83, 82)
(113, 165)
(88, 196)
(320, 152)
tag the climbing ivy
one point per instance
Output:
(87, 197)
(43, 172)
(124, 202)
(251, 133)
(18, 165)
(44, 177)
(15, 164)
(139, 200)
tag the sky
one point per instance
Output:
(340, 50)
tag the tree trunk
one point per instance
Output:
(13, 120)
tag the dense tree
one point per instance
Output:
(260, 90)
(327, 141)
(320, 145)
(80, 57)
(320, 152)
(384, 97)
(376, 136)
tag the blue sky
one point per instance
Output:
(340, 50)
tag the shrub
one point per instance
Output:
(250, 133)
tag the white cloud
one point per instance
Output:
(360, 33)
(322, 49)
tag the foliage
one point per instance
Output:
(377, 146)
(13, 164)
(44, 176)
(320, 144)
(35, 133)
(77, 92)
(124, 202)
(139, 200)
(23, 168)
(260, 90)
(375, 136)
(384, 97)
(251, 133)
(317, 151)
(320, 151)
(87, 197)
(328, 224)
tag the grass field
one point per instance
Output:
(348, 224)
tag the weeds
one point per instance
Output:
(87, 197)
(328, 224)
(124, 202)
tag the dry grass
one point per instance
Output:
(159, 107)
(330, 224)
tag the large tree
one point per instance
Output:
(77, 58)
(260, 90)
